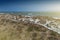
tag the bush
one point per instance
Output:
(34, 35)
(36, 28)
(53, 33)
(30, 29)
(52, 38)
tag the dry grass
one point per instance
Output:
(11, 30)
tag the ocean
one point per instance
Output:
(53, 14)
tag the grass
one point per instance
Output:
(10, 30)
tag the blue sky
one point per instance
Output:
(29, 5)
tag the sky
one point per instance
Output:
(30, 5)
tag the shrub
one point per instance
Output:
(30, 29)
(52, 38)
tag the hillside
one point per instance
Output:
(20, 27)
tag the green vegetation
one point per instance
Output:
(30, 29)
(52, 38)
(53, 33)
